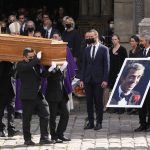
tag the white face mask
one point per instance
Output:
(111, 26)
(45, 27)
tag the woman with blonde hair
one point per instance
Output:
(72, 36)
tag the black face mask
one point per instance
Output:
(3, 29)
(92, 40)
(68, 26)
(30, 59)
(30, 29)
(87, 41)
(141, 46)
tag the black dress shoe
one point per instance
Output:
(47, 141)
(140, 128)
(98, 126)
(57, 141)
(29, 142)
(89, 126)
(63, 138)
(148, 128)
(13, 133)
(2, 134)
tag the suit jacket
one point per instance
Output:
(141, 53)
(5, 79)
(29, 74)
(134, 98)
(44, 32)
(98, 69)
(55, 90)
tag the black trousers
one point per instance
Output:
(94, 96)
(145, 111)
(42, 109)
(6, 101)
(56, 107)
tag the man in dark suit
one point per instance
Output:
(94, 77)
(22, 21)
(57, 99)
(145, 110)
(6, 99)
(124, 93)
(31, 96)
(47, 30)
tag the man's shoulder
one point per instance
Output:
(103, 46)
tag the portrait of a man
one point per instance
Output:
(125, 93)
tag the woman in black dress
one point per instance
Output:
(118, 54)
(134, 42)
(72, 36)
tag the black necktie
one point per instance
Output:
(46, 34)
(93, 53)
(122, 95)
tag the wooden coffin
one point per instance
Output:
(11, 48)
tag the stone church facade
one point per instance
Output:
(127, 14)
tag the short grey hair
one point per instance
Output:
(147, 38)
(94, 31)
(136, 66)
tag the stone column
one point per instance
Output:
(144, 26)
(138, 13)
(83, 10)
(146, 8)
(123, 19)
(94, 7)
(107, 7)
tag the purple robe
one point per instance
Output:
(71, 71)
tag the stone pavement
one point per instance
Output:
(117, 134)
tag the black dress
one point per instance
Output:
(136, 54)
(74, 41)
(116, 61)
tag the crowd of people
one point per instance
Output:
(98, 66)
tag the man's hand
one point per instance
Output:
(81, 84)
(53, 66)
(104, 84)
(39, 55)
(63, 67)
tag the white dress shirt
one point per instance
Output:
(147, 49)
(49, 32)
(96, 48)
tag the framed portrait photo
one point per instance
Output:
(132, 84)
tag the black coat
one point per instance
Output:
(116, 61)
(5, 79)
(141, 54)
(55, 90)
(44, 32)
(29, 74)
(74, 41)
